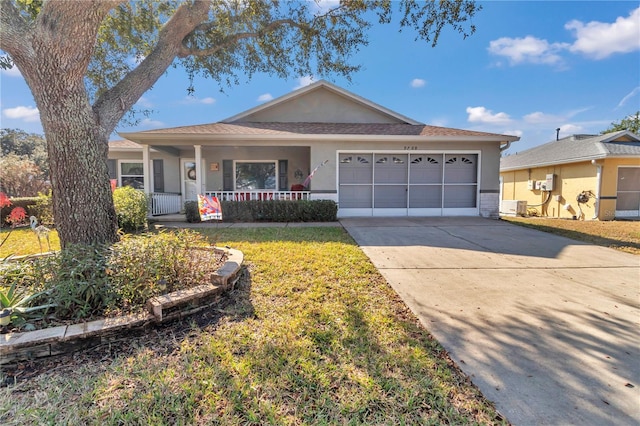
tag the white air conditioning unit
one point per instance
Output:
(513, 208)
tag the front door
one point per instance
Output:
(188, 175)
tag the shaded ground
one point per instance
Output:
(621, 235)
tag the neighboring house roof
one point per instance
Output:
(574, 149)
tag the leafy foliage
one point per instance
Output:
(21, 176)
(630, 123)
(149, 265)
(80, 286)
(131, 208)
(82, 281)
(31, 146)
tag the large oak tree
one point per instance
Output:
(88, 62)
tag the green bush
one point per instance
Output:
(279, 211)
(191, 211)
(143, 266)
(80, 286)
(43, 209)
(131, 208)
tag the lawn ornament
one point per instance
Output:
(41, 231)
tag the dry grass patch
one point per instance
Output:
(311, 335)
(617, 234)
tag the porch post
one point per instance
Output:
(199, 180)
(146, 169)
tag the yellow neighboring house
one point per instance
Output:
(584, 177)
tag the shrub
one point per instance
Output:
(131, 208)
(280, 211)
(43, 208)
(143, 266)
(80, 286)
(191, 211)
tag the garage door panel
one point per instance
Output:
(390, 168)
(458, 196)
(425, 196)
(390, 196)
(356, 168)
(425, 168)
(355, 196)
(460, 168)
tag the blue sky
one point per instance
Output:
(530, 68)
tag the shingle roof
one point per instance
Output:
(286, 128)
(124, 143)
(574, 149)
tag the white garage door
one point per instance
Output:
(628, 196)
(401, 184)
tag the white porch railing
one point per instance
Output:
(260, 195)
(165, 203)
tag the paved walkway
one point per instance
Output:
(548, 328)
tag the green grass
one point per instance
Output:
(23, 241)
(313, 335)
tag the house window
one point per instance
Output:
(131, 175)
(256, 175)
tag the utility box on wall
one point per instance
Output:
(547, 185)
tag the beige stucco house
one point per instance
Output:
(582, 177)
(372, 161)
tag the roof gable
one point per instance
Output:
(574, 149)
(320, 102)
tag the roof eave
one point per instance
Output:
(146, 138)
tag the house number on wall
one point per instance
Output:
(410, 148)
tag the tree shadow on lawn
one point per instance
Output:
(161, 339)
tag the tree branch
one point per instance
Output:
(14, 31)
(234, 38)
(115, 102)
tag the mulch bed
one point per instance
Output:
(163, 339)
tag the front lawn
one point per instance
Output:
(23, 241)
(312, 334)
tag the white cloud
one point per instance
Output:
(628, 96)
(304, 81)
(540, 117)
(265, 97)
(25, 113)
(144, 102)
(518, 133)
(527, 50)
(418, 82)
(569, 129)
(483, 115)
(194, 100)
(323, 6)
(599, 40)
(147, 122)
(12, 72)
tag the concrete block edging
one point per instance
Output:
(68, 338)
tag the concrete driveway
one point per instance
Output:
(548, 328)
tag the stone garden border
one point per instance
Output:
(68, 338)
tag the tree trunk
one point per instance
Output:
(82, 200)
